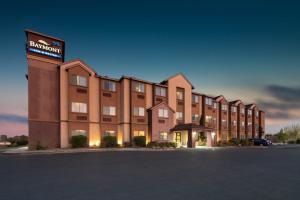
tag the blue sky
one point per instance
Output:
(241, 49)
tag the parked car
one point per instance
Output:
(262, 142)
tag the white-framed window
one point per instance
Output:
(109, 133)
(164, 113)
(138, 133)
(139, 111)
(78, 132)
(195, 98)
(79, 80)
(163, 136)
(215, 105)
(242, 111)
(79, 107)
(139, 87)
(179, 94)
(256, 113)
(109, 85)
(160, 91)
(249, 112)
(195, 117)
(109, 110)
(243, 124)
(224, 107)
(208, 101)
(179, 115)
(233, 109)
(249, 123)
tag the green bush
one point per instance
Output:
(79, 141)
(109, 141)
(234, 142)
(298, 141)
(139, 141)
(161, 144)
(127, 144)
(39, 146)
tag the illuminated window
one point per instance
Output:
(242, 111)
(139, 111)
(195, 99)
(179, 94)
(163, 136)
(233, 123)
(109, 133)
(109, 85)
(163, 113)
(160, 91)
(138, 133)
(243, 124)
(78, 132)
(109, 110)
(250, 112)
(195, 117)
(78, 80)
(179, 115)
(79, 107)
(215, 105)
(249, 123)
(256, 113)
(208, 119)
(139, 87)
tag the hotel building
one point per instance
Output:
(70, 98)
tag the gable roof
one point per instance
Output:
(219, 98)
(251, 106)
(236, 102)
(77, 61)
(178, 74)
(161, 103)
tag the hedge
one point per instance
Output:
(79, 141)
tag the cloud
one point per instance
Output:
(13, 118)
(283, 103)
(284, 93)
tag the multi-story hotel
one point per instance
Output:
(70, 98)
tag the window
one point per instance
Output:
(242, 111)
(215, 105)
(195, 99)
(109, 85)
(208, 101)
(109, 133)
(234, 123)
(138, 87)
(109, 110)
(195, 117)
(249, 123)
(78, 132)
(138, 111)
(224, 122)
(208, 119)
(163, 113)
(214, 121)
(160, 91)
(179, 94)
(163, 136)
(243, 124)
(250, 112)
(256, 113)
(78, 80)
(224, 107)
(138, 133)
(79, 107)
(179, 115)
(233, 109)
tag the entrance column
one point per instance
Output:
(191, 139)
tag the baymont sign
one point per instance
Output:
(42, 47)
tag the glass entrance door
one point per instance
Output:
(178, 137)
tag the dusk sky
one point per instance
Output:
(248, 51)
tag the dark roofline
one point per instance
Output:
(34, 32)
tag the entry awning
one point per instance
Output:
(190, 126)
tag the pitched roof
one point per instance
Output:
(178, 74)
(78, 61)
(161, 103)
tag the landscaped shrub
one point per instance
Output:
(109, 141)
(161, 144)
(79, 141)
(298, 141)
(39, 146)
(291, 142)
(127, 144)
(139, 141)
(234, 142)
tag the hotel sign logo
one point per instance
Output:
(45, 46)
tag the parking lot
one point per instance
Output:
(233, 173)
